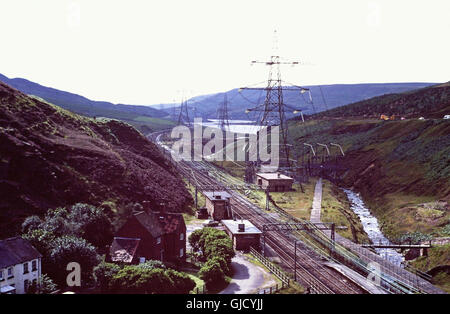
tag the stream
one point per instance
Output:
(372, 228)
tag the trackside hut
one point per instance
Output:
(274, 182)
(218, 204)
(243, 234)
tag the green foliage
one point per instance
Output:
(152, 264)
(41, 240)
(80, 220)
(92, 224)
(182, 283)
(45, 286)
(221, 247)
(31, 223)
(414, 237)
(104, 273)
(217, 250)
(212, 273)
(194, 239)
(69, 249)
(136, 279)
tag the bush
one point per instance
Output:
(136, 279)
(91, 223)
(212, 273)
(69, 249)
(152, 264)
(46, 286)
(31, 223)
(104, 273)
(182, 283)
(217, 250)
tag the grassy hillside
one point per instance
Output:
(400, 167)
(429, 102)
(51, 157)
(144, 118)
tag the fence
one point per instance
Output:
(271, 289)
(280, 274)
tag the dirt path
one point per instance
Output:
(247, 277)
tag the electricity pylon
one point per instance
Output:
(273, 108)
(222, 114)
(183, 116)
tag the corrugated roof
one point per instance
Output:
(273, 176)
(123, 249)
(15, 251)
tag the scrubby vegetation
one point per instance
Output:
(51, 157)
(430, 102)
(74, 234)
(149, 278)
(216, 250)
(399, 167)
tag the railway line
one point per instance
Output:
(310, 271)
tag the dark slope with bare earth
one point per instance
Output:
(51, 157)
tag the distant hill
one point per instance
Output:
(144, 118)
(50, 157)
(333, 96)
(429, 102)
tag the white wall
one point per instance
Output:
(20, 277)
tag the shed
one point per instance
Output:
(243, 233)
(218, 204)
(274, 182)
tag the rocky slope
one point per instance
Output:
(50, 157)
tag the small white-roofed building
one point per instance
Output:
(243, 233)
(274, 181)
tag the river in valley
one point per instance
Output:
(372, 228)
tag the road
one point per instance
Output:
(247, 277)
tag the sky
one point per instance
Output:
(149, 52)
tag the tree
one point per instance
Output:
(219, 247)
(104, 273)
(31, 223)
(41, 240)
(212, 273)
(137, 279)
(182, 283)
(194, 238)
(69, 249)
(91, 224)
(152, 264)
(45, 286)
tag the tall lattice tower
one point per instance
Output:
(222, 114)
(272, 110)
(183, 116)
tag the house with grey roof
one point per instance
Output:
(20, 266)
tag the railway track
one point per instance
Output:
(310, 271)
